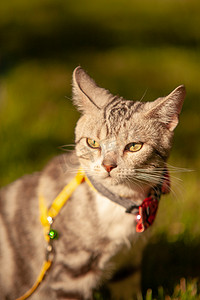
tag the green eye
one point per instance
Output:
(133, 147)
(93, 144)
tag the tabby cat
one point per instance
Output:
(122, 146)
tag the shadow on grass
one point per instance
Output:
(165, 263)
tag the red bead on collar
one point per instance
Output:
(148, 208)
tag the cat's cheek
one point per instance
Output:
(99, 171)
(96, 167)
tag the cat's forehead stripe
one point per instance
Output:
(111, 104)
(118, 113)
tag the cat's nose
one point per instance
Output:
(109, 167)
(109, 161)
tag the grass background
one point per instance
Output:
(133, 48)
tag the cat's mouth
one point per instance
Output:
(109, 179)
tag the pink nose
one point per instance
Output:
(109, 167)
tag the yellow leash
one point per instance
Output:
(45, 267)
(47, 216)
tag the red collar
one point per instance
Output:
(148, 208)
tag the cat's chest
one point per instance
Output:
(114, 222)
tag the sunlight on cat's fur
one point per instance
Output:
(123, 147)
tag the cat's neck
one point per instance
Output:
(114, 222)
(125, 195)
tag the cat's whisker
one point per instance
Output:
(177, 169)
(148, 177)
(66, 147)
(153, 177)
(138, 183)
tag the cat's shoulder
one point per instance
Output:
(62, 165)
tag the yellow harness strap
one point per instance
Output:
(48, 215)
(45, 267)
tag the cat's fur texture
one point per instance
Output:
(91, 227)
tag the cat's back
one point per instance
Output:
(19, 196)
(17, 208)
(20, 226)
(12, 196)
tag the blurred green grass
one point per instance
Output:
(135, 49)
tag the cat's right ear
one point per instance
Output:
(87, 95)
(167, 109)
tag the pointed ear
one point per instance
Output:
(167, 109)
(87, 95)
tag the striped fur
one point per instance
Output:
(91, 227)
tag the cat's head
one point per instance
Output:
(120, 141)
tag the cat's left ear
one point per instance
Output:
(167, 109)
(87, 95)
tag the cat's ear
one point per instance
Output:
(167, 109)
(87, 95)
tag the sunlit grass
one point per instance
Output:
(183, 291)
(36, 110)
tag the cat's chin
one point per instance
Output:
(109, 179)
(123, 187)
(115, 184)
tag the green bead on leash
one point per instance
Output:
(53, 234)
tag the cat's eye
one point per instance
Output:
(133, 147)
(92, 143)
